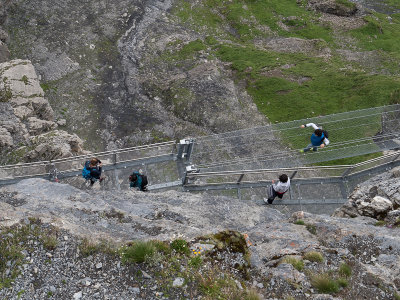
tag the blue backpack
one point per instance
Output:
(86, 171)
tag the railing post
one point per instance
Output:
(240, 178)
(185, 148)
(114, 158)
(189, 170)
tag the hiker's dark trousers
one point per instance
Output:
(274, 195)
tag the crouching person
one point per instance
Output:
(278, 189)
(138, 181)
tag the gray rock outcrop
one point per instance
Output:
(27, 125)
(378, 197)
(274, 240)
(345, 9)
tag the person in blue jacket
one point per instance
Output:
(92, 170)
(138, 181)
(318, 138)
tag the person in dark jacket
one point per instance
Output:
(95, 168)
(138, 181)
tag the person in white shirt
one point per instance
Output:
(278, 189)
(318, 138)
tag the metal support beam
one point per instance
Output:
(240, 179)
(345, 173)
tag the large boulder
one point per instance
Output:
(377, 208)
(377, 197)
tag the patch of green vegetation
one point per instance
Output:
(180, 246)
(5, 94)
(396, 296)
(25, 80)
(107, 49)
(393, 3)
(182, 51)
(314, 256)
(13, 241)
(324, 283)
(20, 293)
(345, 270)
(299, 222)
(196, 262)
(87, 247)
(380, 223)
(298, 264)
(342, 282)
(137, 252)
(350, 160)
(158, 136)
(246, 19)
(48, 86)
(217, 285)
(346, 3)
(311, 228)
(379, 33)
(251, 295)
(49, 241)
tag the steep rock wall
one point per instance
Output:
(28, 129)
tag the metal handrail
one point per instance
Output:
(278, 170)
(75, 158)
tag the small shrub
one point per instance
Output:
(87, 248)
(137, 252)
(251, 295)
(342, 282)
(311, 228)
(324, 284)
(25, 79)
(380, 223)
(49, 242)
(299, 222)
(155, 260)
(345, 270)
(5, 94)
(297, 264)
(314, 256)
(180, 246)
(345, 3)
(162, 247)
(196, 261)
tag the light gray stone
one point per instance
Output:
(178, 282)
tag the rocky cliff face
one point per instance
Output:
(287, 254)
(99, 64)
(28, 129)
(378, 197)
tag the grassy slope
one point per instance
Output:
(334, 85)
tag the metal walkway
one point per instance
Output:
(251, 159)
(309, 185)
(351, 134)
